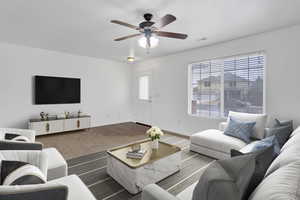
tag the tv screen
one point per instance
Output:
(56, 90)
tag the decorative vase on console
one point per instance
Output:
(154, 133)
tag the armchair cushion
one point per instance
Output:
(30, 134)
(17, 145)
(16, 137)
(77, 189)
(34, 192)
(154, 192)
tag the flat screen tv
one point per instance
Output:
(56, 90)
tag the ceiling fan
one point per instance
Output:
(150, 29)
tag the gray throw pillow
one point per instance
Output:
(288, 123)
(225, 179)
(282, 133)
(263, 160)
(240, 130)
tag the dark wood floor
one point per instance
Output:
(78, 143)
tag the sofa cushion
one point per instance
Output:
(289, 155)
(293, 140)
(260, 119)
(263, 159)
(283, 184)
(225, 179)
(240, 130)
(216, 140)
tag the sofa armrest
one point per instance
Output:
(30, 134)
(223, 126)
(154, 192)
(34, 192)
(17, 145)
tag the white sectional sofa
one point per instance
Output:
(214, 143)
(281, 180)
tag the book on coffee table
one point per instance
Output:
(136, 154)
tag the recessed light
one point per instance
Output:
(130, 59)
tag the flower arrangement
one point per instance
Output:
(154, 133)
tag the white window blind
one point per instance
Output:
(144, 88)
(229, 84)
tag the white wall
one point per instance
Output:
(105, 85)
(170, 74)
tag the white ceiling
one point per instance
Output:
(83, 27)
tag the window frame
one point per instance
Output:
(148, 88)
(222, 116)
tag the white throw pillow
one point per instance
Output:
(21, 138)
(29, 172)
(260, 119)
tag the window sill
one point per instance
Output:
(207, 117)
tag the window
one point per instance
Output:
(144, 88)
(229, 84)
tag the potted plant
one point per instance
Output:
(155, 133)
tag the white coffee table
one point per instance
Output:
(135, 174)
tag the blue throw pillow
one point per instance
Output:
(263, 144)
(267, 142)
(240, 130)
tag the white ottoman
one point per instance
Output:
(215, 143)
(57, 165)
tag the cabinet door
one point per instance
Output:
(70, 124)
(55, 126)
(85, 122)
(77, 123)
(46, 127)
(39, 127)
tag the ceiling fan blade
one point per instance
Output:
(171, 35)
(125, 24)
(126, 37)
(167, 19)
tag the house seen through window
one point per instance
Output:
(229, 84)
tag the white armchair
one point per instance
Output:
(30, 134)
(36, 158)
(65, 188)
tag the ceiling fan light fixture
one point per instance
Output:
(153, 42)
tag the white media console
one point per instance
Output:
(43, 127)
